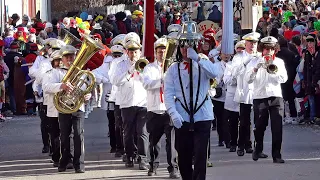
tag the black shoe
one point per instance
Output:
(152, 172)
(62, 169)
(249, 150)
(118, 154)
(278, 160)
(79, 170)
(256, 155)
(45, 149)
(174, 175)
(240, 152)
(143, 166)
(112, 150)
(70, 166)
(214, 128)
(129, 164)
(55, 164)
(233, 149)
(220, 144)
(124, 158)
(50, 154)
(228, 145)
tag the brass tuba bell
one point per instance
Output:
(170, 49)
(140, 64)
(82, 80)
(69, 38)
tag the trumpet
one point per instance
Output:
(270, 66)
(140, 64)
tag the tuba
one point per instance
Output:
(170, 49)
(70, 102)
(69, 38)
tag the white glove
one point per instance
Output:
(132, 69)
(192, 54)
(176, 120)
(260, 64)
(87, 97)
(16, 59)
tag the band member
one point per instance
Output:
(68, 122)
(158, 119)
(52, 113)
(190, 144)
(41, 65)
(266, 74)
(101, 74)
(243, 94)
(231, 108)
(218, 95)
(132, 102)
(114, 96)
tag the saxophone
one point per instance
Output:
(70, 102)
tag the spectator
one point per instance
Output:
(111, 19)
(215, 15)
(55, 26)
(4, 72)
(13, 20)
(49, 31)
(25, 21)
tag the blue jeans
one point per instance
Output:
(312, 106)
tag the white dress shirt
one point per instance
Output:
(101, 74)
(52, 85)
(244, 90)
(131, 90)
(173, 91)
(266, 85)
(231, 85)
(152, 83)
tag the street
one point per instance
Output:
(21, 157)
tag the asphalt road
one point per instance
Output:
(21, 157)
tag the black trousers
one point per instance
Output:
(118, 129)
(134, 122)
(244, 140)
(263, 108)
(54, 138)
(157, 125)
(232, 118)
(191, 144)
(67, 122)
(222, 125)
(112, 128)
(44, 124)
(292, 107)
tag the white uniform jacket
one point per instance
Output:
(114, 90)
(266, 85)
(101, 74)
(244, 90)
(219, 79)
(53, 83)
(43, 68)
(231, 85)
(152, 83)
(34, 69)
(173, 96)
(131, 91)
(51, 109)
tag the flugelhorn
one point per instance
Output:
(82, 80)
(270, 66)
(140, 64)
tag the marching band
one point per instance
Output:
(178, 95)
